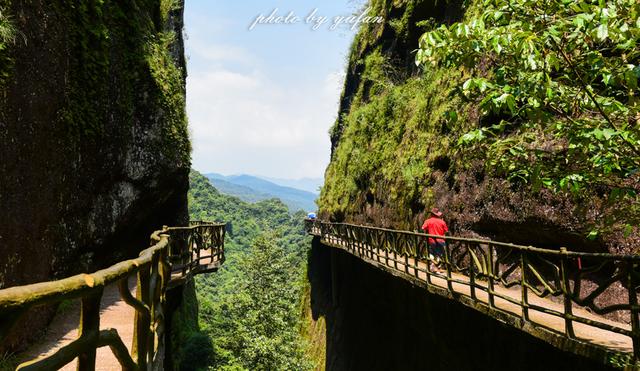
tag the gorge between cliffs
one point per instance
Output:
(196, 185)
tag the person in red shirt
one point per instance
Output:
(436, 226)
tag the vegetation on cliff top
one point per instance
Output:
(392, 132)
(391, 144)
(7, 37)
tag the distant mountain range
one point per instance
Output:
(252, 189)
(306, 184)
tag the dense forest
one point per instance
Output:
(249, 311)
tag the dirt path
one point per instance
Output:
(114, 313)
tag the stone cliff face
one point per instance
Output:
(95, 152)
(394, 156)
(395, 153)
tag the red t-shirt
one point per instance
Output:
(435, 226)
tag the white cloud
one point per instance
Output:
(242, 122)
(219, 53)
(334, 83)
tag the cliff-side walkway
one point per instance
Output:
(117, 316)
(114, 313)
(553, 295)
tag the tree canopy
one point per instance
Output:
(556, 83)
(249, 310)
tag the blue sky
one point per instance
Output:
(262, 101)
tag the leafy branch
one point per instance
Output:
(562, 74)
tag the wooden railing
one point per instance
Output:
(197, 249)
(575, 282)
(153, 272)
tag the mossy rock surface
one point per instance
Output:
(395, 152)
(96, 152)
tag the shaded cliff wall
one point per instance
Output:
(186, 347)
(395, 153)
(375, 321)
(95, 152)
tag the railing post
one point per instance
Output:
(383, 243)
(365, 246)
(198, 247)
(185, 249)
(221, 255)
(633, 304)
(89, 326)
(403, 245)
(357, 233)
(353, 241)
(376, 245)
(523, 286)
(472, 273)
(447, 263)
(566, 291)
(490, 287)
(165, 265)
(141, 322)
(427, 260)
(416, 259)
(155, 287)
(368, 239)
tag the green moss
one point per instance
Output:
(90, 35)
(166, 7)
(168, 79)
(390, 143)
(123, 72)
(374, 78)
(313, 331)
(378, 73)
(397, 128)
(401, 26)
(65, 306)
(8, 362)
(191, 349)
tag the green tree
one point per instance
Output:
(249, 309)
(258, 325)
(556, 82)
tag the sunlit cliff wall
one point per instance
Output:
(394, 156)
(395, 152)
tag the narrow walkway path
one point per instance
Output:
(405, 268)
(114, 313)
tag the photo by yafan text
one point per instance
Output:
(315, 19)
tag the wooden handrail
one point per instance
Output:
(572, 254)
(153, 271)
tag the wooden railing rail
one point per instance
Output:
(575, 279)
(153, 271)
(198, 248)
